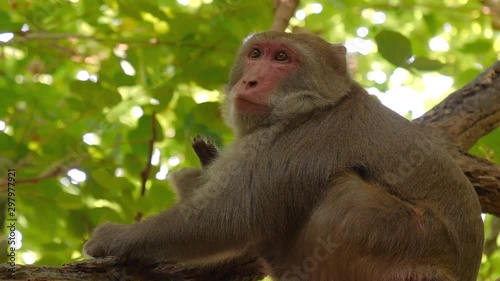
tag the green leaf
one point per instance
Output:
(107, 180)
(163, 94)
(69, 201)
(113, 74)
(77, 222)
(209, 113)
(464, 77)
(426, 64)
(6, 142)
(430, 20)
(160, 196)
(78, 105)
(140, 136)
(316, 22)
(488, 146)
(134, 163)
(7, 99)
(131, 8)
(95, 94)
(6, 25)
(478, 46)
(394, 47)
(153, 9)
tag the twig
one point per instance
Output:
(283, 12)
(147, 170)
(23, 37)
(57, 171)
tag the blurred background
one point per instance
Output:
(87, 85)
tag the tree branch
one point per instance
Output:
(112, 269)
(24, 37)
(147, 170)
(469, 113)
(462, 119)
(283, 12)
(485, 177)
(57, 171)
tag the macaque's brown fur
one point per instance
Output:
(323, 183)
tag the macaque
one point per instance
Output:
(322, 182)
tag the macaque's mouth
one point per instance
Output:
(246, 106)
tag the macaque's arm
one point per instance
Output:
(212, 222)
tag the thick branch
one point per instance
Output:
(110, 269)
(485, 177)
(462, 119)
(469, 113)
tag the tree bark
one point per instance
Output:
(112, 269)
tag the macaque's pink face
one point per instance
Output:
(266, 64)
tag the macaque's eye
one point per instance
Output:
(281, 56)
(255, 53)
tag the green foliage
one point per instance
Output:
(394, 47)
(81, 80)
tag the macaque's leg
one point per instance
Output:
(239, 269)
(204, 228)
(361, 232)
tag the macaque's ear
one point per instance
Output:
(339, 59)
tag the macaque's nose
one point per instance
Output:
(250, 84)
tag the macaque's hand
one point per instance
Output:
(107, 240)
(206, 151)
